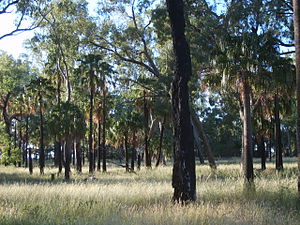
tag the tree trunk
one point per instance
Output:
(278, 144)
(126, 151)
(26, 140)
(91, 156)
(68, 158)
(296, 5)
(104, 127)
(78, 156)
(162, 128)
(42, 147)
(139, 161)
(30, 161)
(261, 150)
(184, 176)
(247, 132)
(133, 151)
(99, 147)
(198, 125)
(198, 144)
(146, 119)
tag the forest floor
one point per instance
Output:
(144, 197)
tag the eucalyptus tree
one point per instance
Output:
(184, 175)
(23, 10)
(64, 28)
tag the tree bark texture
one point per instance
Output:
(247, 131)
(184, 176)
(296, 5)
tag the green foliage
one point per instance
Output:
(66, 121)
(8, 153)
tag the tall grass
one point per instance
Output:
(145, 197)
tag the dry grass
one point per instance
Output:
(145, 198)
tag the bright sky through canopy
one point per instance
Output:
(14, 45)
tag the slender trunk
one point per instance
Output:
(247, 132)
(162, 127)
(139, 161)
(278, 145)
(83, 151)
(296, 6)
(78, 156)
(184, 176)
(26, 140)
(91, 157)
(104, 127)
(58, 142)
(133, 152)
(126, 151)
(147, 158)
(99, 147)
(261, 150)
(198, 125)
(68, 158)
(30, 161)
(198, 144)
(42, 148)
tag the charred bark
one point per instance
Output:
(184, 176)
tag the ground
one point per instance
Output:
(145, 197)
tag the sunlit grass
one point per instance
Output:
(144, 197)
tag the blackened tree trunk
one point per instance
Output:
(104, 127)
(30, 166)
(91, 156)
(247, 132)
(184, 176)
(139, 159)
(296, 5)
(68, 158)
(42, 147)
(126, 151)
(99, 147)
(146, 128)
(78, 156)
(159, 155)
(278, 144)
(261, 149)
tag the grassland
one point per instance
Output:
(145, 197)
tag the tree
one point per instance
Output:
(41, 90)
(67, 121)
(184, 177)
(296, 5)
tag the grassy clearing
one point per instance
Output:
(145, 198)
